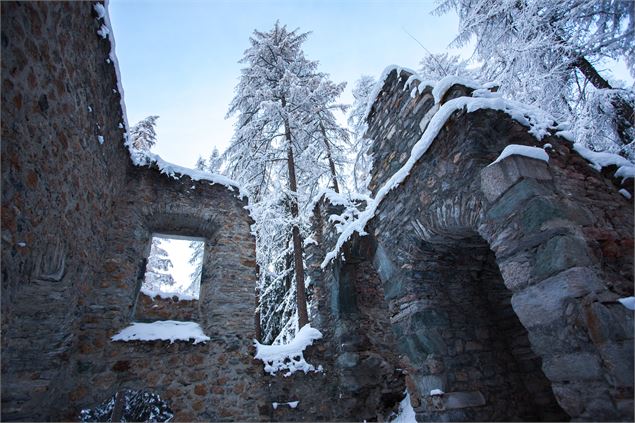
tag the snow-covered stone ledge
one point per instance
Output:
(163, 330)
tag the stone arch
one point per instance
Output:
(557, 235)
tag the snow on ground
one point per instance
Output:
(522, 150)
(406, 412)
(628, 302)
(625, 193)
(289, 356)
(162, 330)
(436, 392)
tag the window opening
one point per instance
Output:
(174, 268)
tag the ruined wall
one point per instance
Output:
(77, 222)
(212, 381)
(362, 377)
(562, 238)
(59, 184)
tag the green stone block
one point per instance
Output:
(514, 199)
(538, 211)
(560, 253)
(426, 318)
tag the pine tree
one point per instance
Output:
(142, 135)
(362, 93)
(158, 275)
(287, 145)
(215, 162)
(546, 53)
(436, 66)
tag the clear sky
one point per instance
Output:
(178, 59)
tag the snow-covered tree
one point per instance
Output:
(143, 135)
(158, 268)
(286, 145)
(549, 54)
(196, 260)
(215, 162)
(436, 66)
(362, 93)
(324, 141)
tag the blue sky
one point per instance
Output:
(178, 59)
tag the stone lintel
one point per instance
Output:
(499, 177)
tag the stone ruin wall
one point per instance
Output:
(59, 187)
(77, 221)
(497, 284)
(77, 224)
(502, 281)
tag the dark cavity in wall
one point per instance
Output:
(470, 343)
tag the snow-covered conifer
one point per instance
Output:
(143, 135)
(436, 66)
(158, 268)
(362, 93)
(277, 89)
(549, 54)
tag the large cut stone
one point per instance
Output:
(499, 177)
(543, 303)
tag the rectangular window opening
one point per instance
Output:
(174, 267)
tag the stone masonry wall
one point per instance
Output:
(562, 236)
(149, 309)
(59, 186)
(77, 221)
(218, 380)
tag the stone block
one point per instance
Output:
(497, 178)
(347, 360)
(454, 400)
(617, 359)
(538, 211)
(514, 199)
(575, 367)
(560, 253)
(544, 303)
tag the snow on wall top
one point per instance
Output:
(162, 330)
(538, 122)
(145, 158)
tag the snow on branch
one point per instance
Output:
(162, 330)
(538, 122)
(289, 356)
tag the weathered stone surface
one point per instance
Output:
(544, 303)
(77, 219)
(499, 177)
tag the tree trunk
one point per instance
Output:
(624, 116)
(303, 316)
(336, 187)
